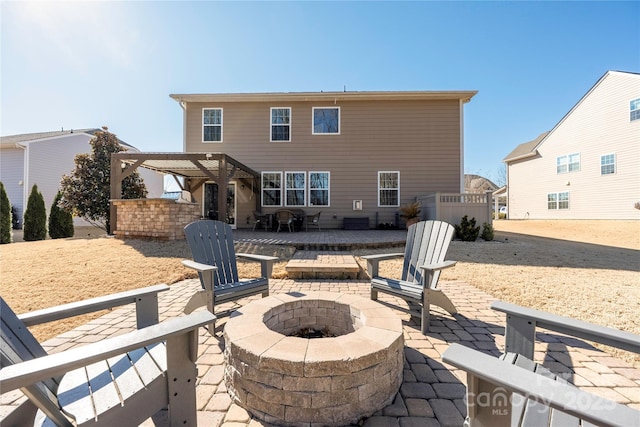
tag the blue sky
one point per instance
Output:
(88, 64)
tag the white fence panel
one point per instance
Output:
(451, 207)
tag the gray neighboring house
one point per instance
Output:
(588, 165)
(42, 158)
(344, 154)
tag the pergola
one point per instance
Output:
(195, 168)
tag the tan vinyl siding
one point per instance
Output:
(420, 139)
(598, 125)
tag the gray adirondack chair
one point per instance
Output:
(116, 381)
(515, 391)
(424, 258)
(214, 258)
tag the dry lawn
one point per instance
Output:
(583, 269)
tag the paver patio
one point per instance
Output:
(431, 393)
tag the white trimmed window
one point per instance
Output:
(388, 188)
(212, 125)
(558, 201)
(271, 188)
(318, 188)
(634, 110)
(607, 164)
(280, 124)
(295, 188)
(326, 121)
(569, 163)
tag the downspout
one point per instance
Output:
(25, 177)
(185, 183)
(183, 105)
(462, 102)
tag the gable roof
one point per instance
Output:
(526, 149)
(11, 140)
(529, 149)
(463, 95)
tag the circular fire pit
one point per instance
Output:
(287, 380)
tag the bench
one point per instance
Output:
(355, 223)
(513, 390)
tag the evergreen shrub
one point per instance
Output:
(35, 217)
(487, 232)
(5, 216)
(60, 220)
(467, 230)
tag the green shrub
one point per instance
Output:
(5, 216)
(35, 217)
(60, 221)
(487, 232)
(467, 230)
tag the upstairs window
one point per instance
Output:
(326, 121)
(388, 188)
(634, 110)
(557, 201)
(281, 124)
(570, 163)
(212, 125)
(318, 188)
(607, 164)
(271, 188)
(295, 188)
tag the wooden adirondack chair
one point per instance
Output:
(515, 391)
(425, 250)
(116, 381)
(214, 259)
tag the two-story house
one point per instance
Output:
(588, 165)
(345, 154)
(42, 158)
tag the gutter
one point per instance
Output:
(183, 105)
(522, 157)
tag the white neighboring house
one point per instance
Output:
(42, 159)
(588, 165)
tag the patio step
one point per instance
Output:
(322, 265)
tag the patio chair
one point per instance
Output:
(285, 217)
(425, 250)
(261, 220)
(214, 258)
(116, 381)
(313, 221)
(513, 390)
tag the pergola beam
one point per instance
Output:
(196, 168)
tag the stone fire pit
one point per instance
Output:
(286, 380)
